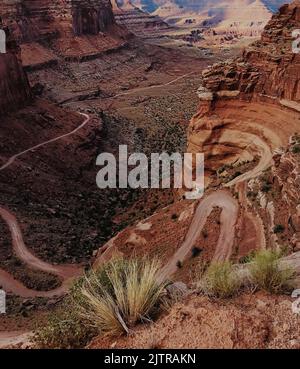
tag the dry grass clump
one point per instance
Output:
(119, 295)
(219, 280)
(268, 275)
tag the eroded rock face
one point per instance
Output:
(138, 21)
(91, 16)
(252, 102)
(48, 28)
(268, 67)
(33, 20)
(14, 86)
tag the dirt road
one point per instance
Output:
(230, 207)
(14, 157)
(65, 272)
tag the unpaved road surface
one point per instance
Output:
(65, 272)
(13, 338)
(230, 208)
(14, 157)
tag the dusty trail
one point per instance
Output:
(22, 252)
(13, 338)
(14, 157)
(264, 162)
(230, 207)
(139, 89)
(65, 272)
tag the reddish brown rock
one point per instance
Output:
(14, 86)
(267, 68)
(69, 28)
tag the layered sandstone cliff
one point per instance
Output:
(137, 21)
(14, 86)
(248, 123)
(49, 29)
(254, 95)
(268, 67)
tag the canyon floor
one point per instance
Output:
(148, 101)
(55, 223)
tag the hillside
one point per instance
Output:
(84, 85)
(139, 22)
(252, 159)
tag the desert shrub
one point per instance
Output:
(63, 330)
(279, 228)
(296, 149)
(220, 280)
(204, 233)
(196, 251)
(119, 295)
(179, 264)
(266, 187)
(266, 274)
(247, 258)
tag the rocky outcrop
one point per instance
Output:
(267, 68)
(34, 20)
(248, 115)
(91, 16)
(137, 21)
(48, 29)
(14, 86)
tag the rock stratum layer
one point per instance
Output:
(258, 91)
(47, 30)
(137, 21)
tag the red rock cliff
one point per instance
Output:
(70, 28)
(267, 68)
(14, 86)
(251, 105)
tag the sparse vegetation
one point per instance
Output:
(266, 187)
(64, 330)
(247, 258)
(179, 264)
(174, 217)
(204, 233)
(220, 281)
(266, 274)
(119, 295)
(109, 301)
(279, 228)
(196, 251)
(296, 149)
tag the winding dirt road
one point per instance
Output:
(66, 272)
(140, 89)
(14, 157)
(230, 208)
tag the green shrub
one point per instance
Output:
(64, 330)
(266, 187)
(247, 258)
(279, 228)
(196, 251)
(266, 274)
(296, 149)
(220, 280)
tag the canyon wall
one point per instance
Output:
(267, 68)
(91, 16)
(137, 21)
(49, 29)
(250, 106)
(14, 86)
(33, 20)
